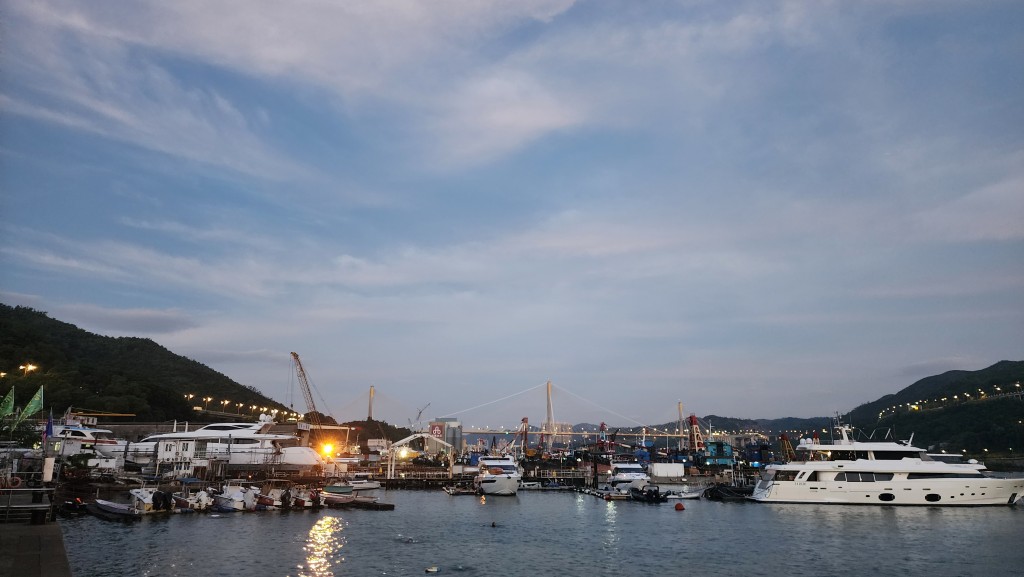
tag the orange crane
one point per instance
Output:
(314, 415)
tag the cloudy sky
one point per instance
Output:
(758, 209)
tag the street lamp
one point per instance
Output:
(206, 407)
(27, 369)
(239, 410)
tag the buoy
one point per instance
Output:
(679, 507)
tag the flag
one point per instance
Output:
(7, 405)
(48, 431)
(35, 404)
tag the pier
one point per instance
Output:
(31, 542)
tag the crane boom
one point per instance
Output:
(314, 415)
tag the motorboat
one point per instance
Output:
(847, 471)
(363, 482)
(186, 500)
(647, 494)
(694, 494)
(338, 488)
(148, 500)
(624, 476)
(283, 494)
(498, 475)
(113, 511)
(236, 495)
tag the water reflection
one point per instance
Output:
(323, 548)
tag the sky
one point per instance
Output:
(755, 209)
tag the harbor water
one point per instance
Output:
(555, 533)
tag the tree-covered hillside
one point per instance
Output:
(109, 374)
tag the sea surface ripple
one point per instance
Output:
(555, 533)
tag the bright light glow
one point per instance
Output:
(327, 449)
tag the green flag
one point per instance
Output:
(7, 405)
(35, 404)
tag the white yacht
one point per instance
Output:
(499, 475)
(76, 439)
(624, 476)
(880, 473)
(239, 445)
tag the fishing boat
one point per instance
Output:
(887, 472)
(499, 475)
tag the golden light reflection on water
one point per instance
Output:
(323, 548)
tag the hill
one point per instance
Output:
(974, 411)
(957, 410)
(108, 374)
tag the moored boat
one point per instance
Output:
(625, 476)
(880, 473)
(647, 494)
(113, 511)
(499, 475)
(363, 482)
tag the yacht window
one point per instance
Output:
(813, 476)
(840, 477)
(971, 475)
(883, 476)
(785, 475)
(843, 456)
(896, 455)
(862, 455)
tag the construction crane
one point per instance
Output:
(314, 415)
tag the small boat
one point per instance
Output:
(73, 508)
(684, 494)
(148, 500)
(647, 494)
(113, 511)
(363, 482)
(338, 488)
(726, 492)
(236, 495)
(335, 500)
(460, 489)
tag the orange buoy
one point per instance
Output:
(679, 507)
